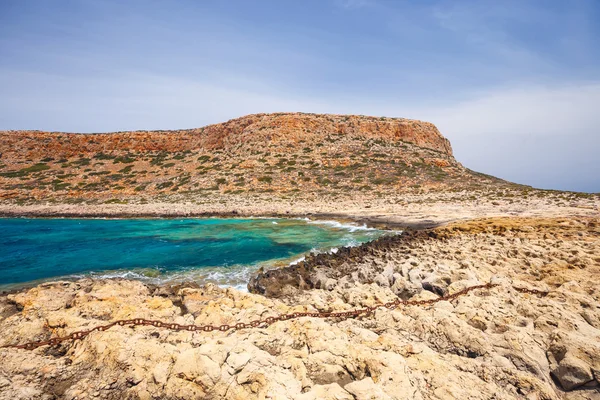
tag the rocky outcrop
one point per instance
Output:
(321, 271)
(489, 344)
(263, 129)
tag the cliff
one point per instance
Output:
(339, 156)
(257, 129)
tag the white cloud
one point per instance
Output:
(542, 136)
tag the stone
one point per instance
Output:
(436, 284)
(193, 366)
(332, 391)
(161, 372)
(237, 361)
(404, 289)
(572, 372)
(366, 389)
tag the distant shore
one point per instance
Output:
(408, 212)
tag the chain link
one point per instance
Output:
(261, 322)
(531, 291)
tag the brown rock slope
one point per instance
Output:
(489, 344)
(290, 155)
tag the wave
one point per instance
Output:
(299, 260)
(234, 276)
(339, 225)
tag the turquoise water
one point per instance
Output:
(223, 251)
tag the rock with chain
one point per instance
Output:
(533, 336)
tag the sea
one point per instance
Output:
(225, 252)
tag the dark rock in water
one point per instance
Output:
(317, 269)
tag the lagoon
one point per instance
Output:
(222, 251)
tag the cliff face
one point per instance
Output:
(252, 129)
(297, 128)
(295, 155)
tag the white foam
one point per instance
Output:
(338, 225)
(233, 276)
(298, 260)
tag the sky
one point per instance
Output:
(514, 84)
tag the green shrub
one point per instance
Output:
(98, 156)
(25, 171)
(36, 168)
(116, 201)
(123, 160)
(81, 162)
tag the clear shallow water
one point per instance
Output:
(223, 251)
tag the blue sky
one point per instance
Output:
(515, 85)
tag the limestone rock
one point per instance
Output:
(366, 390)
(332, 391)
(572, 372)
(488, 344)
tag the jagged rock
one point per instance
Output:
(405, 290)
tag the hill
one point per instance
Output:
(286, 154)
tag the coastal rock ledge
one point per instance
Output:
(489, 344)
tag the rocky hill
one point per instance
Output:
(289, 154)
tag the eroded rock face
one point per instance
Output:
(489, 344)
(261, 128)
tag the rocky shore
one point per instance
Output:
(461, 229)
(489, 344)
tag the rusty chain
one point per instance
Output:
(531, 291)
(257, 323)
